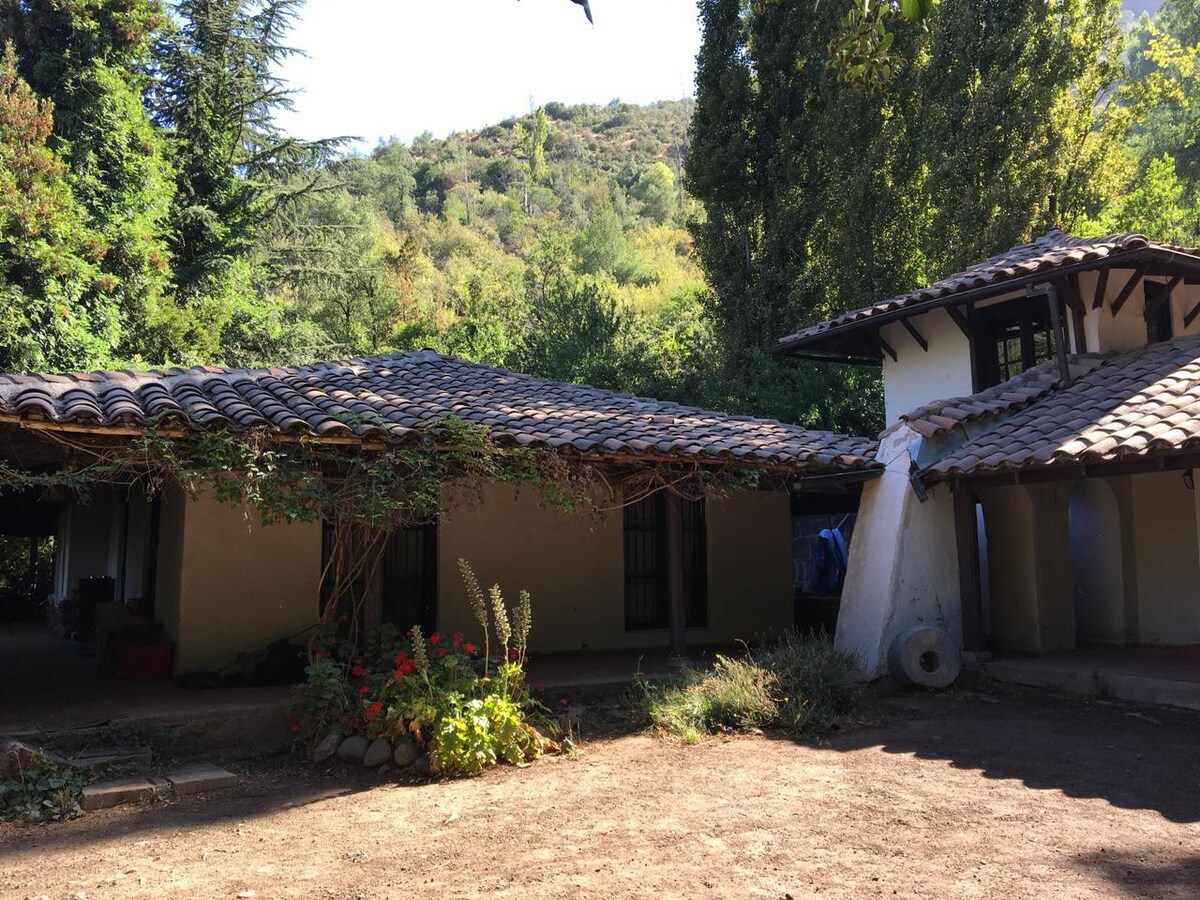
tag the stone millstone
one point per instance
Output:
(326, 747)
(377, 754)
(406, 753)
(353, 749)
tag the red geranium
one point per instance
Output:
(365, 689)
(512, 655)
(441, 652)
(358, 671)
(320, 654)
(435, 638)
(469, 647)
(538, 687)
(401, 657)
(372, 711)
(564, 702)
(456, 638)
(296, 727)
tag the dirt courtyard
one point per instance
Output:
(984, 793)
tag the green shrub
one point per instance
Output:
(466, 706)
(801, 684)
(42, 790)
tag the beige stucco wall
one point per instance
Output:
(573, 566)
(1030, 590)
(241, 584)
(917, 377)
(1168, 563)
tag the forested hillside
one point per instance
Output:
(152, 211)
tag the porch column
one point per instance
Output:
(966, 533)
(676, 608)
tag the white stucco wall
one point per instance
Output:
(917, 377)
(903, 568)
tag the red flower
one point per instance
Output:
(400, 658)
(441, 652)
(372, 711)
(469, 647)
(296, 727)
(538, 687)
(435, 638)
(358, 671)
(512, 655)
(564, 702)
(320, 654)
(398, 675)
(365, 689)
(456, 638)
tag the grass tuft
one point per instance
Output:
(800, 683)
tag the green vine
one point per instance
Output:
(363, 492)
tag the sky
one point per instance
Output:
(377, 69)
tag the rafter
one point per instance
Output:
(1134, 280)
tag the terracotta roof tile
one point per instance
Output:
(389, 397)
(1054, 249)
(1124, 406)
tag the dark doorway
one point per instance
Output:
(410, 578)
(646, 603)
(822, 526)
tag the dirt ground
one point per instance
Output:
(986, 793)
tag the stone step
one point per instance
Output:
(192, 779)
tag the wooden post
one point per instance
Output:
(676, 608)
(1060, 333)
(966, 533)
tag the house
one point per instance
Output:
(658, 570)
(1043, 413)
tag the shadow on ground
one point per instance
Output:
(1135, 757)
(1138, 878)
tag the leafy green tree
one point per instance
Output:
(56, 311)
(91, 59)
(656, 190)
(218, 94)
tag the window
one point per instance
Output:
(1158, 313)
(408, 586)
(646, 600)
(1010, 338)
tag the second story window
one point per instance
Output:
(1011, 337)
(1158, 313)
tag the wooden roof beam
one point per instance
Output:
(1165, 296)
(1101, 288)
(1134, 280)
(960, 320)
(916, 335)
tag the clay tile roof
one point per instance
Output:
(1050, 251)
(1120, 407)
(390, 397)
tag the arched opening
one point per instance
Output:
(1096, 564)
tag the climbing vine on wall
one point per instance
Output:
(362, 491)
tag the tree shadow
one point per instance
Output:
(1132, 756)
(1135, 876)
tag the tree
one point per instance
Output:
(90, 59)
(655, 190)
(56, 309)
(217, 97)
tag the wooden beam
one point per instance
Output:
(1101, 288)
(1134, 280)
(1191, 315)
(916, 335)
(960, 320)
(676, 608)
(970, 593)
(1068, 289)
(1060, 335)
(885, 346)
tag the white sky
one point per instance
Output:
(382, 68)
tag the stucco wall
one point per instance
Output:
(1028, 540)
(1168, 564)
(573, 566)
(242, 584)
(903, 568)
(917, 377)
